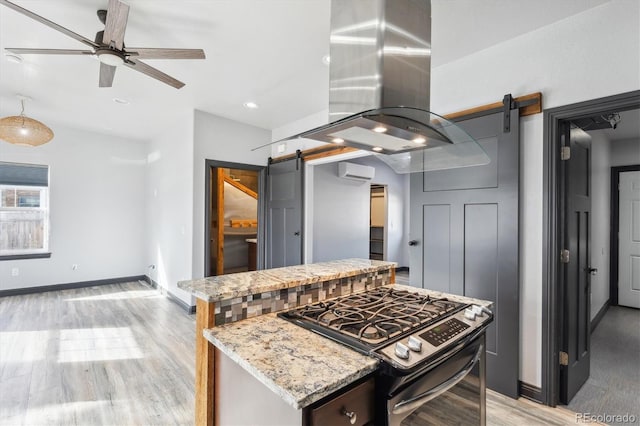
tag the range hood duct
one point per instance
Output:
(380, 75)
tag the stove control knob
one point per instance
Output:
(477, 310)
(402, 351)
(469, 314)
(415, 344)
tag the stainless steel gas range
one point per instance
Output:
(431, 351)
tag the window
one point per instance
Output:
(24, 210)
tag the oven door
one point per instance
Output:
(451, 393)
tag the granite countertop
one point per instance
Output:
(297, 364)
(222, 287)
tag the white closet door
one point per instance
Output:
(629, 240)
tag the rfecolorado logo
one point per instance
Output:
(605, 418)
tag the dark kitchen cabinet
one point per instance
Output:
(355, 406)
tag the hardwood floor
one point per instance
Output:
(123, 354)
(111, 355)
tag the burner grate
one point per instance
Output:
(378, 315)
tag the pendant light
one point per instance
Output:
(22, 130)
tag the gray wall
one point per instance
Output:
(340, 215)
(397, 199)
(604, 155)
(600, 219)
(625, 152)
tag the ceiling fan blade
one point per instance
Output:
(21, 51)
(116, 24)
(155, 73)
(144, 53)
(107, 72)
(49, 23)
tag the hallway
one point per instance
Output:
(613, 387)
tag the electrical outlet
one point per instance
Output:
(15, 272)
(74, 266)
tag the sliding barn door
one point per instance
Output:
(284, 214)
(464, 232)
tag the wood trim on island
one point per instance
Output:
(205, 365)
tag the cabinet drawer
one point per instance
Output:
(359, 401)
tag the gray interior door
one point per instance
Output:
(464, 232)
(284, 214)
(576, 273)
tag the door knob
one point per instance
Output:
(592, 271)
(413, 242)
(297, 233)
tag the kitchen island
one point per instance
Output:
(289, 373)
(227, 299)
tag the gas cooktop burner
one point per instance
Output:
(374, 317)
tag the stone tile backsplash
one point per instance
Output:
(239, 308)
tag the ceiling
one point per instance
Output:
(266, 51)
(628, 127)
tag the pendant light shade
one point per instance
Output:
(22, 130)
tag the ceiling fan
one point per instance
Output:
(109, 46)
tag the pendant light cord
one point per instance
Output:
(22, 112)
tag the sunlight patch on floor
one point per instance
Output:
(97, 344)
(122, 295)
(23, 346)
(63, 412)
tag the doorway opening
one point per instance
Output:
(233, 210)
(378, 222)
(576, 290)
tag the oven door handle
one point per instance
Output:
(411, 404)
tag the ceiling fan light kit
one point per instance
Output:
(109, 46)
(22, 130)
(110, 57)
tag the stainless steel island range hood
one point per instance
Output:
(380, 72)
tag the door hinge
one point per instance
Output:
(564, 256)
(564, 358)
(565, 153)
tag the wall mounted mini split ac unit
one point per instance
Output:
(355, 171)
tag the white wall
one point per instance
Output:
(169, 205)
(96, 209)
(221, 139)
(600, 219)
(569, 61)
(301, 125)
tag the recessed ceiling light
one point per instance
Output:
(419, 139)
(379, 129)
(121, 101)
(326, 59)
(250, 105)
(377, 148)
(337, 140)
(13, 58)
